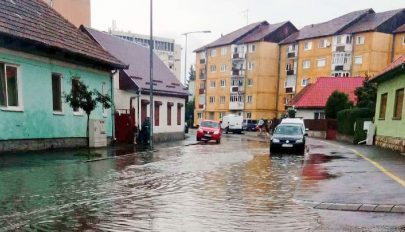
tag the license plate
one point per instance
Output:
(207, 135)
(287, 145)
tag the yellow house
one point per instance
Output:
(238, 73)
(355, 44)
(399, 42)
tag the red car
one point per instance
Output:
(209, 130)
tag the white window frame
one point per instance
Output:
(252, 48)
(213, 52)
(20, 106)
(62, 112)
(307, 45)
(249, 99)
(306, 62)
(212, 99)
(223, 68)
(222, 99)
(322, 43)
(251, 65)
(249, 115)
(319, 60)
(199, 115)
(304, 82)
(213, 68)
(223, 83)
(224, 50)
(250, 82)
(221, 115)
(360, 40)
(213, 84)
(356, 59)
(403, 40)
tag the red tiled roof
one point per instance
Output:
(399, 61)
(316, 95)
(36, 22)
(400, 29)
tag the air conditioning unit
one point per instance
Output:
(97, 133)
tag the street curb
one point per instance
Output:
(355, 207)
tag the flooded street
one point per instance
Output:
(227, 187)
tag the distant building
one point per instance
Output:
(399, 42)
(77, 12)
(311, 101)
(166, 49)
(389, 113)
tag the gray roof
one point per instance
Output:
(330, 27)
(263, 31)
(376, 21)
(400, 29)
(137, 57)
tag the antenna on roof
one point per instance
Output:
(246, 15)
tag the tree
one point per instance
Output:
(337, 101)
(367, 95)
(191, 73)
(80, 97)
(190, 106)
(291, 112)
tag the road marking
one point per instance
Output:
(376, 164)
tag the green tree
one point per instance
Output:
(291, 112)
(80, 97)
(190, 106)
(191, 73)
(367, 95)
(337, 101)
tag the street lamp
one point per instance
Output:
(185, 51)
(151, 104)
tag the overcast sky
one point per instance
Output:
(174, 17)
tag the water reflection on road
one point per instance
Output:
(232, 186)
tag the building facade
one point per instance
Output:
(77, 12)
(35, 73)
(359, 43)
(238, 73)
(399, 42)
(167, 50)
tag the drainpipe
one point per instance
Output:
(352, 55)
(244, 81)
(113, 106)
(278, 80)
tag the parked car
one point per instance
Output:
(288, 137)
(249, 125)
(209, 130)
(297, 121)
(232, 123)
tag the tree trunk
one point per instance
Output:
(87, 131)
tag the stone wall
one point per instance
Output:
(166, 137)
(393, 143)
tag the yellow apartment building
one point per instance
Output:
(399, 42)
(77, 12)
(359, 43)
(238, 73)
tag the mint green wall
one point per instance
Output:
(389, 127)
(37, 119)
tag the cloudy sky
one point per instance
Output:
(174, 17)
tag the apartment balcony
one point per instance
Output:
(292, 54)
(237, 73)
(290, 90)
(203, 76)
(201, 106)
(201, 91)
(291, 72)
(202, 61)
(237, 89)
(239, 56)
(236, 105)
(342, 48)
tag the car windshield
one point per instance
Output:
(288, 130)
(209, 124)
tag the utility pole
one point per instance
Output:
(151, 45)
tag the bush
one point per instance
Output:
(347, 118)
(337, 101)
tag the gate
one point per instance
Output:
(125, 126)
(331, 130)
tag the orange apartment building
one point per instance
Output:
(399, 42)
(238, 73)
(359, 43)
(77, 12)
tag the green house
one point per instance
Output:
(42, 55)
(390, 115)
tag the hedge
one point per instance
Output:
(347, 118)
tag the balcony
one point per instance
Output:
(237, 73)
(237, 89)
(201, 106)
(236, 105)
(203, 76)
(289, 90)
(238, 56)
(291, 55)
(202, 61)
(290, 72)
(201, 91)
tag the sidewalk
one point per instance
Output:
(343, 176)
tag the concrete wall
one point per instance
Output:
(36, 119)
(389, 126)
(307, 114)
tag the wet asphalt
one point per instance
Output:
(188, 186)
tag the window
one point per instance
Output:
(169, 113)
(306, 64)
(252, 48)
(57, 92)
(224, 50)
(383, 105)
(179, 107)
(307, 45)
(358, 60)
(213, 68)
(248, 115)
(304, 82)
(212, 99)
(211, 115)
(157, 112)
(223, 68)
(360, 40)
(403, 40)
(199, 115)
(202, 85)
(222, 99)
(322, 43)
(221, 115)
(321, 63)
(212, 84)
(223, 83)
(213, 52)
(250, 82)
(10, 89)
(399, 100)
(319, 115)
(251, 65)
(249, 99)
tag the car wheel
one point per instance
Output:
(218, 141)
(273, 150)
(301, 150)
(198, 139)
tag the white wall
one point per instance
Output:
(307, 114)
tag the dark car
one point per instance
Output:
(249, 125)
(288, 137)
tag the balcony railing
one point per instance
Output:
(289, 90)
(290, 72)
(238, 56)
(200, 106)
(202, 61)
(291, 55)
(201, 91)
(340, 48)
(203, 76)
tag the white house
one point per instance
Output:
(131, 87)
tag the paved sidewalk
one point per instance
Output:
(342, 176)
